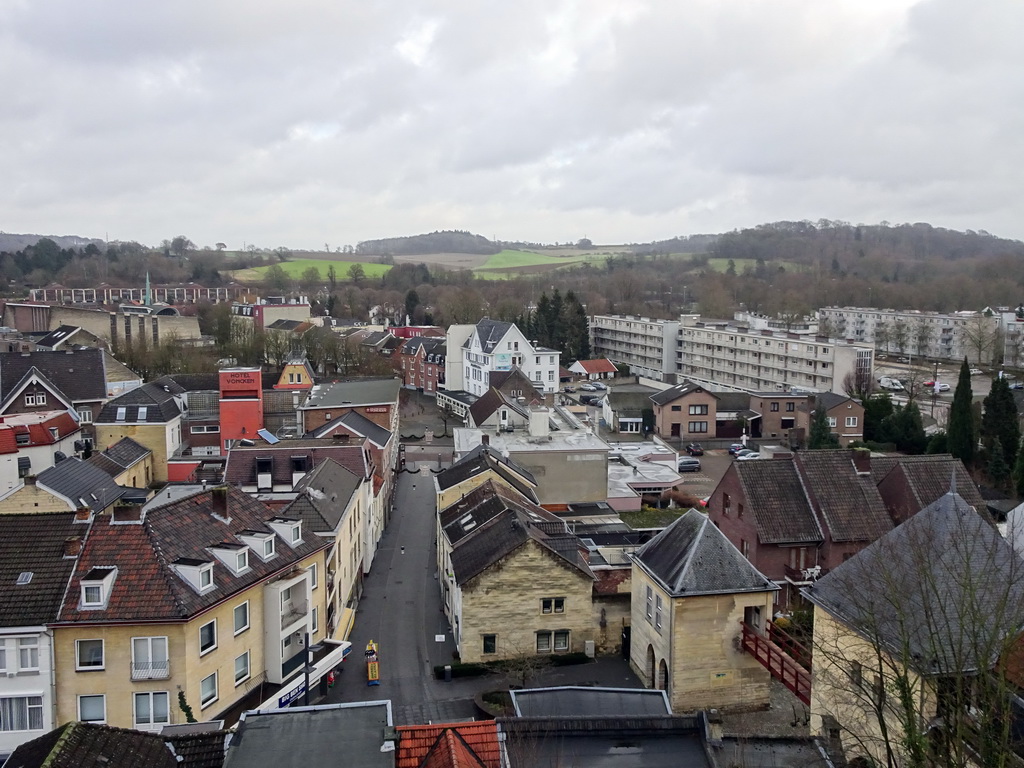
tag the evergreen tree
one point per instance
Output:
(999, 419)
(905, 428)
(821, 434)
(960, 432)
(876, 409)
(998, 470)
(576, 337)
(542, 325)
(1018, 474)
(938, 444)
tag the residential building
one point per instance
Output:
(473, 743)
(936, 335)
(646, 345)
(41, 439)
(151, 415)
(569, 462)
(376, 399)
(516, 384)
(68, 337)
(734, 355)
(844, 414)
(627, 405)
(496, 410)
(783, 416)
(480, 465)
(36, 559)
(914, 639)
(686, 412)
(421, 362)
(297, 374)
(593, 370)
(211, 595)
(474, 351)
(128, 463)
(72, 485)
(514, 580)
(908, 484)
(691, 590)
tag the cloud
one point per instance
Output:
(311, 121)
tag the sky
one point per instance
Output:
(314, 122)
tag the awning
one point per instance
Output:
(293, 689)
(345, 623)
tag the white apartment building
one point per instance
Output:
(734, 355)
(937, 335)
(646, 345)
(474, 351)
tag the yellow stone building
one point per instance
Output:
(205, 600)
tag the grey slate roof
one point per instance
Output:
(491, 401)
(693, 557)
(356, 423)
(324, 494)
(34, 544)
(126, 452)
(942, 585)
(57, 336)
(733, 401)
(490, 332)
(40, 378)
(777, 499)
(481, 459)
(79, 373)
(830, 400)
(679, 390)
(583, 701)
(157, 398)
(482, 504)
(81, 482)
(353, 393)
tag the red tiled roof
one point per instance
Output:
(603, 365)
(455, 745)
(8, 442)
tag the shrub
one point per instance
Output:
(461, 670)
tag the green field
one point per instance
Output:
(295, 268)
(514, 263)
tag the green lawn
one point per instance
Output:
(295, 268)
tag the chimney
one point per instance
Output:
(72, 546)
(126, 513)
(862, 461)
(486, 439)
(83, 515)
(219, 501)
(30, 480)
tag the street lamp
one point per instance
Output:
(309, 668)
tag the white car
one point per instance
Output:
(588, 388)
(976, 372)
(749, 457)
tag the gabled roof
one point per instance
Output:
(472, 510)
(428, 344)
(455, 745)
(356, 424)
(323, 496)
(928, 477)
(79, 373)
(58, 336)
(516, 375)
(829, 400)
(77, 745)
(940, 590)
(120, 456)
(81, 484)
(490, 402)
(34, 544)
(850, 503)
(776, 497)
(693, 557)
(37, 425)
(34, 375)
(490, 333)
(152, 403)
(680, 390)
(480, 460)
(147, 587)
(600, 365)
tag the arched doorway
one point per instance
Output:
(650, 666)
(663, 676)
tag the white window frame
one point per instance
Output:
(242, 560)
(234, 618)
(658, 607)
(314, 582)
(79, 666)
(560, 634)
(151, 641)
(204, 703)
(153, 724)
(314, 620)
(102, 697)
(213, 647)
(543, 642)
(851, 421)
(248, 668)
(30, 645)
(831, 422)
(206, 582)
(269, 550)
(650, 604)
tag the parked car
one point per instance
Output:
(881, 357)
(743, 452)
(588, 399)
(598, 385)
(689, 464)
(749, 456)
(943, 387)
(976, 372)
(695, 449)
(588, 388)
(569, 389)
(736, 448)
(887, 382)
(903, 360)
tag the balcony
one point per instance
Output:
(804, 576)
(292, 613)
(151, 670)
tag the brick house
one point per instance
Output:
(685, 412)
(420, 362)
(783, 416)
(845, 416)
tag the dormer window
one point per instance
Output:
(197, 573)
(234, 556)
(241, 561)
(289, 530)
(96, 587)
(260, 542)
(268, 548)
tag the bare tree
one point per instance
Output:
(913, 643)
(922, 336)
(900, 333)
(883, 335)
(980, 334)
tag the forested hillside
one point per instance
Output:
(435, 242)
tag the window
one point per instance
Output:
(314, 621)
(241, 617)
(313, 583)
(88, 655)
(206, 578)
(657, 612)
(698, 410)
(551, 375)
(96, 585)
(91, 709)
(552, 605)
(207, 637)
(22, 714)
(562, 640)
(739, 510)
(152, 710)
(291, 377)
(775, 407)
(787, 422)
(28, 654)
(204, 429)
(878, 690)
(677, 408)
(149, 658)
(726, 503)
(490, 643)
(697, 427)
(122, 412)
(650, 603)
(241, 560)
(296, 537)
(851, 421)
(832, 422)
(543, 642)
(85, 415)
(268, 548)
(39, 398)
(745, 548)
(22, 438)
(242, 668)
(790, 407)
(208, 690)
(857, 674)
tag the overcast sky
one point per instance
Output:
(308, 122)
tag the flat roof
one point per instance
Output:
(624, 478)
(520, 441)
(353, 393)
